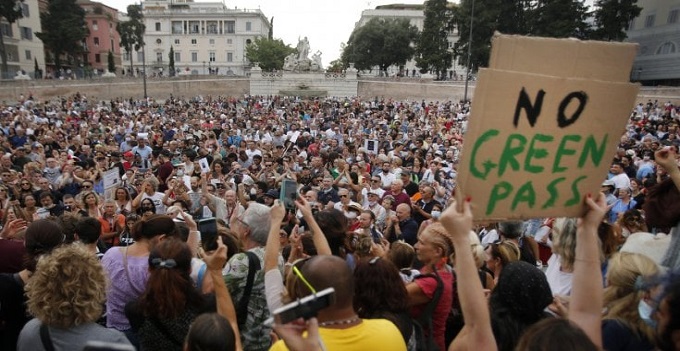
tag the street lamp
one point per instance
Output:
(203, 67)
(209, 68)
(144, 70)
(467, 74)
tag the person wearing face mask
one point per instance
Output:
(434, 217)
(422, 209)
(627, 323)
(373, 205)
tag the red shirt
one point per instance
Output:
(428, 285)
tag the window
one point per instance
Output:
(211, 56)
(231, 25)
(212, 27)
(176, 27)
(26, 33)
(230, 57)
(673, 16)
(158, 26)
(666, 48)
(249, 26)
(193, 41)
(194, 57)
(95, 26)
(25, 10)
(140, 56)
(28, 54)
(178, 57)
(229, 41)
(126, 56)
(631, 24)
(194, 27)
(649, 21)
(212, 41)
(97, 58)
(176, 41)
(159, 57)
(6, 29)
(96, 41)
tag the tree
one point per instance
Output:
(560, 19)
(67, 29)
(171, 60)
(111, 62)
(432, 49)
(11, 12)
(132, 31)
(380, 42)
(336, 66)
(36, 69)
(269, 53)
(612, 17)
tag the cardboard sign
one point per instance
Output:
(111, 178)
(545, 127)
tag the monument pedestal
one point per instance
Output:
(304, 84)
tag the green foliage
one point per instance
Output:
(380, 42)
(65, 20)
(10, 11)
(111, 62)
(612, 18)
(268, 53)
(432, 50)
(546, 18)
(132, 31)
(336, 66)
(171, 60)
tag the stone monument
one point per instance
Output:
(301, 62)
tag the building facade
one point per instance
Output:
(416, 16)
(22, 46)
(101, 21)
(657, 31)
(206, 37)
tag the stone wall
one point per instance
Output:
(303, 84)
(400, 89)
(105, 89)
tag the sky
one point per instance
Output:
(325, 23)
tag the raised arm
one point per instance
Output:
(320, 242)
(271, 250)
(479, 335)
(225, 305)
(585, 307)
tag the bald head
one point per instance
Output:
(317, 270)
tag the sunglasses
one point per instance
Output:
(343, 195)
(87, 186)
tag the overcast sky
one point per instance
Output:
(326, 23)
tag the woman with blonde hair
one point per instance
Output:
(90, 203)
(66, 296)
(500, 254)
(561, 263)
(627, 325)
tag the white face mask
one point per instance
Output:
(372, 203)
(436, 214)
(646, 311)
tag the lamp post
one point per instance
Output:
(144, 70)
(203, 67)
(639, 73)
(469, 58)
(209, 68)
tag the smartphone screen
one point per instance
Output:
(208, 229)
(288, 194)
(305, 308)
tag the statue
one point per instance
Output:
(300, 62)
(303, 49)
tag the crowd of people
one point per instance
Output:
(131, 262)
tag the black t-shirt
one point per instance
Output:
(13, 313)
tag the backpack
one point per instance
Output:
(422, 325)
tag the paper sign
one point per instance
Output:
(294, 137)
(111, 178)
(371, 146)
(203, 163)
(537, 143)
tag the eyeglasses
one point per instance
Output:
(375, 180)
(344, 195)
(86, 186)
(298, 273)
(25, 183)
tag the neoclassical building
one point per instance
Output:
(657, 30)
(206, 37)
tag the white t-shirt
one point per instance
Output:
(157, 199)
(559, 281)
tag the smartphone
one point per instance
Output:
(208, 229)
(288, 194)
(107, 346)
(304, 308)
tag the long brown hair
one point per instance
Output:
(169, 290)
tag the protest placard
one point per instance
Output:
(371, 146)
(111, 178)
(545, 122)
(205, 167)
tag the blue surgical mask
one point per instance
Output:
(646, 311)
(436, 214)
